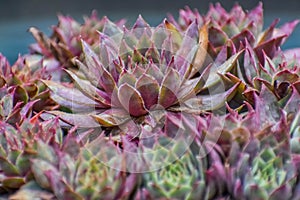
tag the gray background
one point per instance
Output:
(16, 16)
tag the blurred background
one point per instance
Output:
(16, 16)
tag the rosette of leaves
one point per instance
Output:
(182, 179)
(239, 27)
(148, 70)
(186, 174)
(257, 149)
(19, 145)
(280, 76)
(14, 114)
(22, 82)
(260, 172)
(269, 118)
(64, 43)
(262, 59)
(92, 175)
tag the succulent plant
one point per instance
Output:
(239, 27)
(64, 44)
(85, 177)
(278, 75)
(182, 179)
(22, 82)
(268, 175)
(195, 173)
(19, 145)
(203, 107)
(261, 62)
(145, 72)
(14, 114)
(256, 147)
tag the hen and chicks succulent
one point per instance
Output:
(203, 107)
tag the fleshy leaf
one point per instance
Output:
(211, 102)
(8, 167)
(270, 47)
(20, 95)
(149, 90)
(13, 182)
(202, 51)
(92, 92)
(70, 97)
(112, 117)
(39, 168)
(217, 37)
(81, 120)
(214, 78)
(32, 190)
(131, 100)
(169, 88)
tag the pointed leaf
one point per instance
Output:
(110, 28)
(88, 89)
(108, 50)
(112, 117)
(39, 169)
(202, 51)
(169, 88)
(32, 190)
(13, 182)
(8, 168)
(128, 78)
(217, 37)
(268, 33)
(80, 120)
(149, 89)
(43, 40)
(46, 153)
(7, 104)
(20, 95)
(131, 100)
(155, 72)
(242, 36)
(193, 87)
(176, 35)
(70, 97)
(207, 102)
(94, 65)
(270, 48)
(214, 78)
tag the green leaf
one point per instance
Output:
(20, 95)
(7, 104)
(39, 168)
(13, 182)
(31, 190)
(46, 152)
(8, 168)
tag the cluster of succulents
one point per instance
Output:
(202, 107)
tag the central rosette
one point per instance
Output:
(140, 70)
